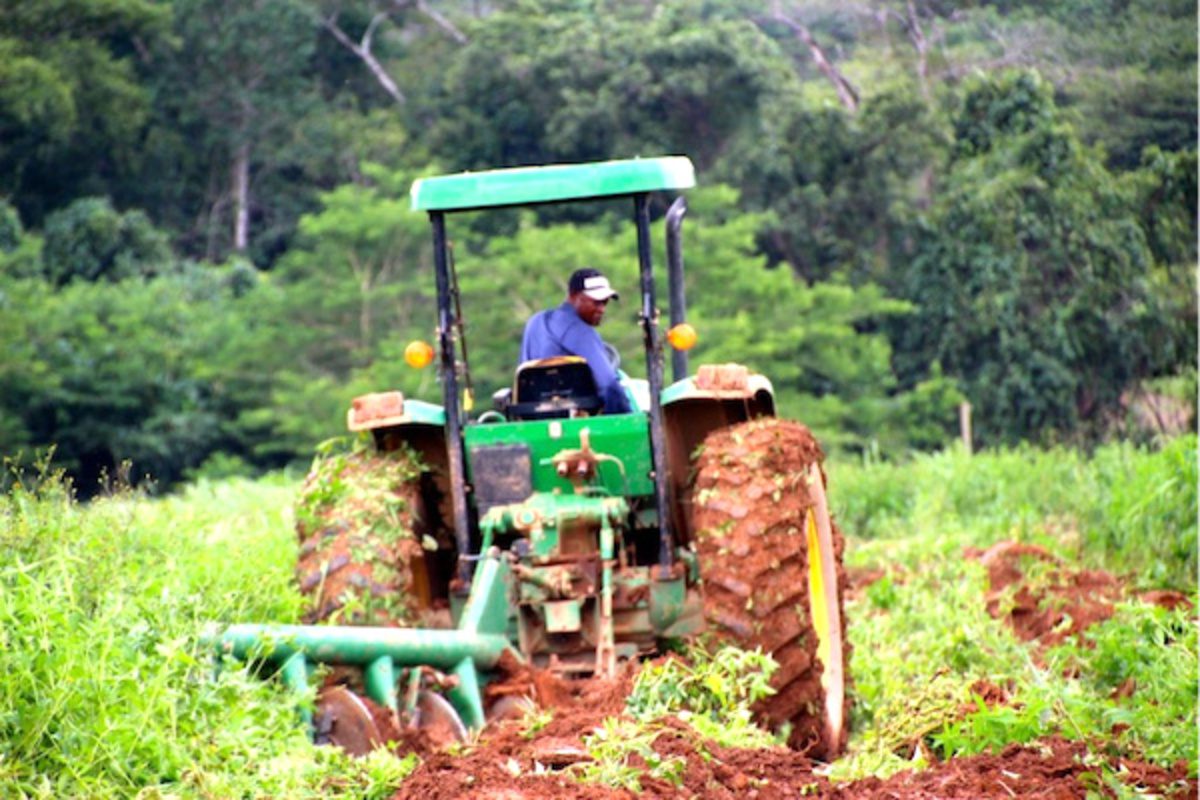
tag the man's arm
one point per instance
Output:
(582, 340)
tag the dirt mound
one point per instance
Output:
(1051, 769)
(752, 504)
(513, 761)
(1042, 598)
(361, 561)
(521, 682)
(526, 755)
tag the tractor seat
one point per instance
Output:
(550, 388)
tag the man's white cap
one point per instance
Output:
(592, 283)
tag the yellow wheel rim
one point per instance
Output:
(816, 596)
(825, 606)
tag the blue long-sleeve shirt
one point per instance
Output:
(561, 331)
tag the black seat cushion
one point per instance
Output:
(554, 387)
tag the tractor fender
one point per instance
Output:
(717, 396)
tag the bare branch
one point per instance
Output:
(363, 51)
(845, 90)
(435, 16)
(442, 22)
(370, 31)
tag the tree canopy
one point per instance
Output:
(206, 248)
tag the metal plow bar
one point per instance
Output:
(476, 645)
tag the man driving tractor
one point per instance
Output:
(569, 329)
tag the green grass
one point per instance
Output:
(104, 688)
(1128, 509)
(921, 634)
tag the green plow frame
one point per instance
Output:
(472, 649)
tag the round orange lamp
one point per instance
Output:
(418, 354)
(682, 336)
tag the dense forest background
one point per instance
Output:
(206, 248)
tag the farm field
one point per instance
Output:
(1023, 623)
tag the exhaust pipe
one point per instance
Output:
(679, 359)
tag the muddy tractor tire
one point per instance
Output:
(361, 559)
(771, 564)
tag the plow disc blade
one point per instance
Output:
(436, 717)
(344, 720)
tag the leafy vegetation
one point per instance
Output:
(108, 689)
(612, 748)
(923, 642)
(711, 691)
(923, 639)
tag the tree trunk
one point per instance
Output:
(241, 197)
(917, 36)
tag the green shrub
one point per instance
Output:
(90, 240)
(107, 691)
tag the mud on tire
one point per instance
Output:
(361, 561)
(751, 507)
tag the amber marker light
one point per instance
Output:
(418, 354)
(682, 336)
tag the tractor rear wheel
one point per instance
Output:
(771, 563)
(361, 559)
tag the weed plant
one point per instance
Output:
(711, 690)
(622, 752)
(107, 692)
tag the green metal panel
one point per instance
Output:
(423, 413)
(379, 678)
(562, 616)
(623, 436)
(487, 608)
(686, 390)
(467, 696)
(551, 184)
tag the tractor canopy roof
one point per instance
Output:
(551, 184)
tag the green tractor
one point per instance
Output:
(571, 540)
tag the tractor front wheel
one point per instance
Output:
(771, 562)
(361, 561)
